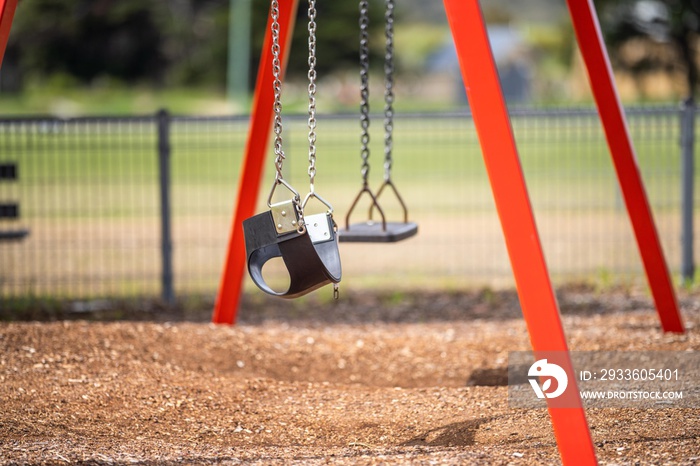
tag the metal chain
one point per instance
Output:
(301, 225)
(364, 89)
(312, 93)
(277, 108)
(277, 88)
(312, 108)
(388, 88)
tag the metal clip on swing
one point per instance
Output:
(307, 244)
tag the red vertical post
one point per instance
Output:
(228, 297)
(600, 75)
(500, 154)
(7, 13)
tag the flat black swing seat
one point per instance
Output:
(372, 232)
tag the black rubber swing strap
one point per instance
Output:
(306, 271)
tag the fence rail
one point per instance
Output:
(135, 206)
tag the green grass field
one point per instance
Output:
(89, 194)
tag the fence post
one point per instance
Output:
(166, 241)
(687, 174)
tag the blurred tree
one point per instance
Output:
(195, 40)
(88, 39)
(676, 22)
(165, 42)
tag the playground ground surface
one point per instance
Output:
(373, 379)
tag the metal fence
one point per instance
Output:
(90, 195)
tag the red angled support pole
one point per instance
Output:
(600, 74)
(252, 170)
(500, 154)
(7, 12)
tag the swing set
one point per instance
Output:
(308, 244)
(502, 162)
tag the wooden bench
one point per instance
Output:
(9, 210)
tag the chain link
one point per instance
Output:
(301, 228)
(277, 88)
(312, 93)
(388, 88)
(364, 89)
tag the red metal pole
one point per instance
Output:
(590, 40)
(228, 298)
(7, 12)
(500, 154)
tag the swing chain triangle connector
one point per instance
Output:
(365, 189)
(312, 194)
(388, 182)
